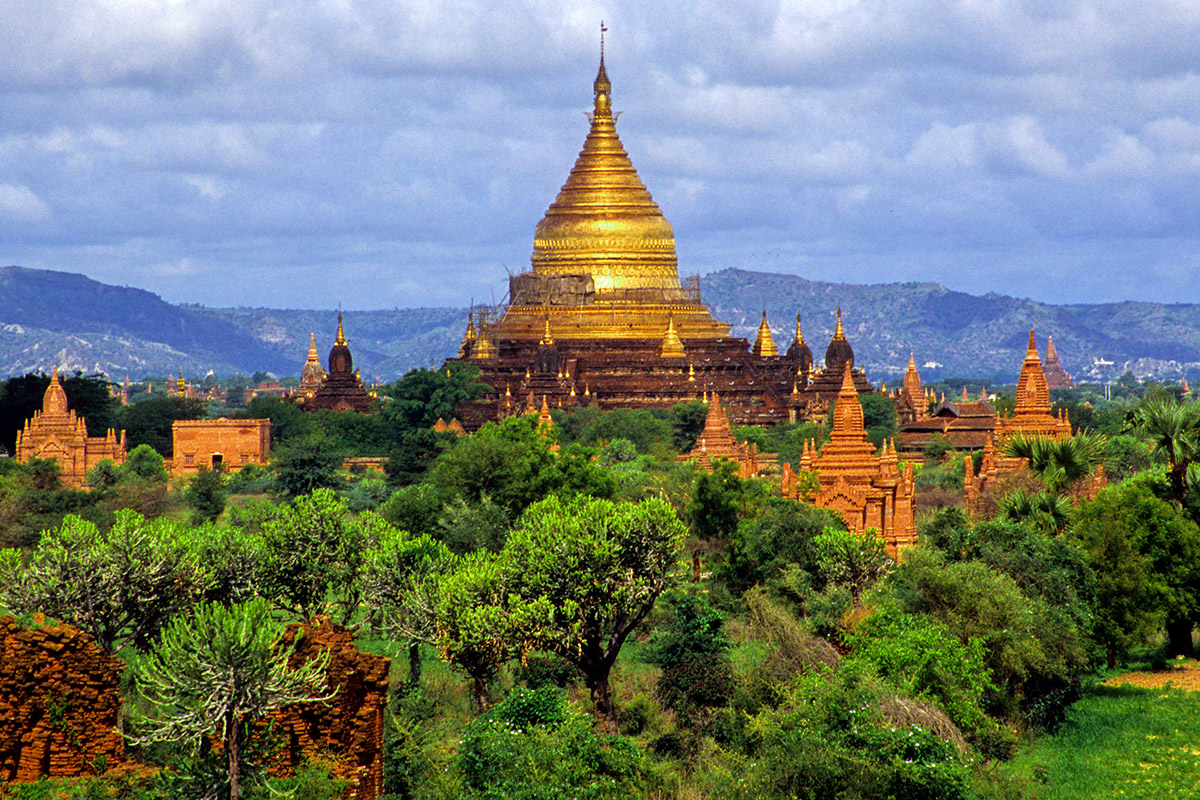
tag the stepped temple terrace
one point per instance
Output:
(602, 318)
(58, 433)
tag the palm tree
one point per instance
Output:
(1059, 463)
(1174, 429)
(1048, 511)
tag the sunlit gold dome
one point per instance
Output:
(604, 223)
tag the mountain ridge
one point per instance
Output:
(49, 317)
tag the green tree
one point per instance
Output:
(1146, 558)
(217, 671)
(716, 502)
(144, 463)
(399, 581)
(1059, 463)
(691, 649)
(1174, 430)
(149, 421)
(121, 585)
(305, 465)
(767, 546)
(424, 395)
(314, 547)
(532, 746)
(206, 494)
(849, 560)
(600, 566)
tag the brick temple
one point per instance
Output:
(602, 318)
(869, 490)
(58, 433)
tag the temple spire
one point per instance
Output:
(341, 334)
(602, 86)
(799, 335)
(672, 346)
(838, 333)
(547, 339)
(764, 345)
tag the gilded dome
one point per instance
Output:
(604, 223)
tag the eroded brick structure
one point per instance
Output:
(59, 703)
(349, 728)
(57, 433)
(229, 444)
(868, 490)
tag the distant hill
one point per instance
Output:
(49, 317)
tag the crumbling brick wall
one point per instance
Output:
(59, 703)
(349, 728)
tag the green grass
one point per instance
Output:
(1120, 742)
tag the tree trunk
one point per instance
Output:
(1179, 637)
(695, 566)
(231, 748)
(606, 710)
(414, 664)
(479, 693)
(1111, 652)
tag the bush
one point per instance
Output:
(532, 746)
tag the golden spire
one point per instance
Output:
(672, 347)
(764, 345)
(341, 334)
(483, 346)
(799, 335)
(313, 355)
(464, 349)
(547, 339)
(838, 333)
(604, 223)
(692, 374)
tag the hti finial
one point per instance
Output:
(602, 85)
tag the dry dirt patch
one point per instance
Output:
(1180, 674)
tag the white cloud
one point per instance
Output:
(19, 203)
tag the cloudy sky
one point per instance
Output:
(301, 153)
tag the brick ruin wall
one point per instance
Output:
(348, 730)
(60, 705)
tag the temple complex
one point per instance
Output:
(1033, 416)
(57, 433)
(342, 387)
(1056, 376)
(868, 490)
(228, 444)
(602, 317)
(717, 441)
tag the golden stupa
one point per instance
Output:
(604, 263)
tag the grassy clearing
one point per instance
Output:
(1120, 742)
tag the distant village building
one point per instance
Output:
(868, 490)
(58, 433)
(342, 388)
(228, 444)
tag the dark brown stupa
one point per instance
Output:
(342, 389)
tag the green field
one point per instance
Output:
(1121, 742)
